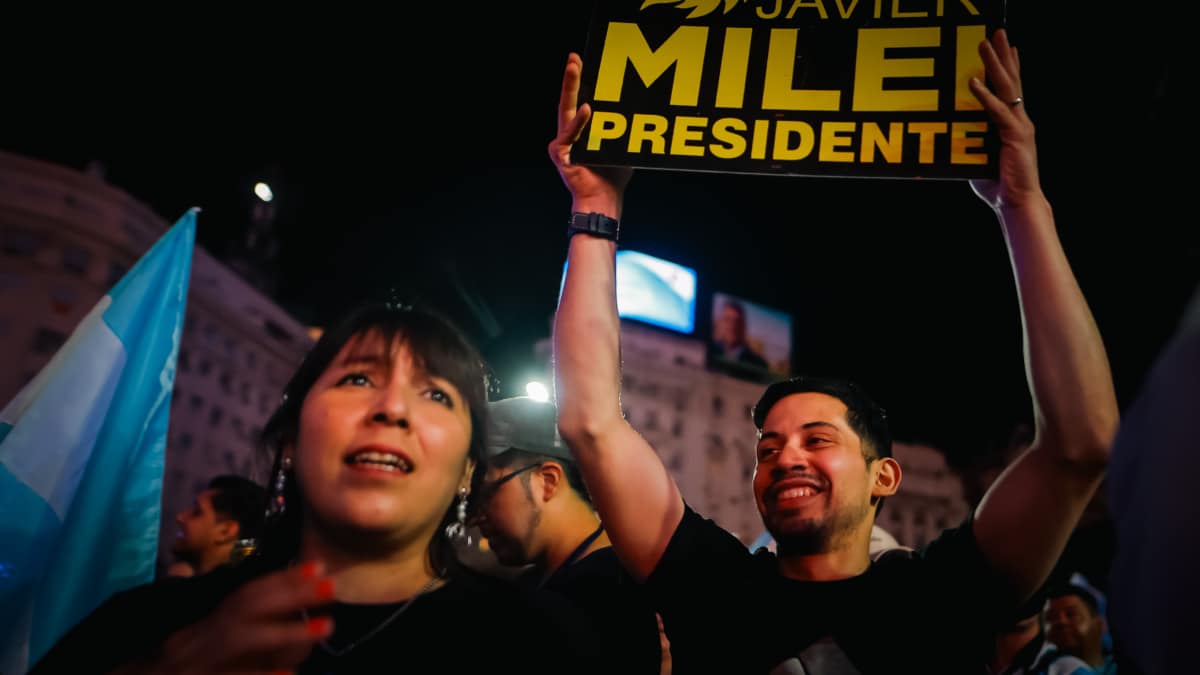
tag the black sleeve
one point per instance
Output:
(702, 587)
(963, 581)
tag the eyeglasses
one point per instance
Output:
(489, 488)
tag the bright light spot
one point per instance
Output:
(263, 191)
(537, 391)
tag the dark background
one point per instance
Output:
(407, 150)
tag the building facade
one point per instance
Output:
(66, 237)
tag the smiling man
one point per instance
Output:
(822, 605)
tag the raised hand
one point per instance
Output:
(1018, 181)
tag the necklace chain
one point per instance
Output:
(329, 649)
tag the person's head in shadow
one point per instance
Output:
(230, 510)
(1075, 623)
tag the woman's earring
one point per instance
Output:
(278, 505)
(457, 530)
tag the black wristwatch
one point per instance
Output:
(595, 224)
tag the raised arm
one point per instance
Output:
(634, 494)
(1025, 519)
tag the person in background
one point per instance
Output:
(535, 512)
(228, 512)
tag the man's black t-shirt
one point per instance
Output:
(617, 607)
(727, 610)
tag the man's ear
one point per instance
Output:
(553, 479)
(887, 478)
(227, 530)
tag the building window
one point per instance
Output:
(226, 381)
(47, 341)
(277, 332)
(215, 415)
(197, 401)
(63, 299)
(246, 393)
(21, 242)
(11, 281)
(184, 363)
(75, 259)
(116, 271)
(185, 440)
(205, 366)
(680, 400)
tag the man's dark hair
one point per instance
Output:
(865, 417)
(241, 499)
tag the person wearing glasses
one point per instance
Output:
(535, 512)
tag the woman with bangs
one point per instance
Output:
(377, 447)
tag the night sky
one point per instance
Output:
(409, 152)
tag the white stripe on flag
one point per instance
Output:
(61, 416)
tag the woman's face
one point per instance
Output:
(382, 446)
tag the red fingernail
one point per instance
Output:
(319, 626)
(309, 570)
(325, 589)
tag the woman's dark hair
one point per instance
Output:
(439, 348)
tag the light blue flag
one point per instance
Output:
(82, 449)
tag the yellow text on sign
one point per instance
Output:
(684, 50)
(788, 140)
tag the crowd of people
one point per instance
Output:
(386, 451)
